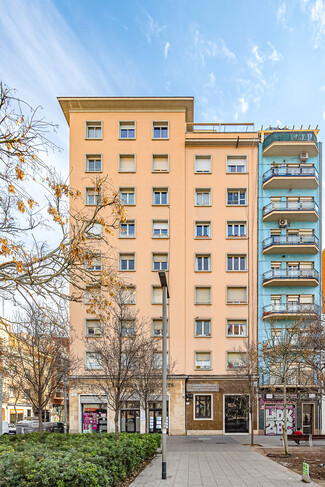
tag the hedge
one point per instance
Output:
(53, 459)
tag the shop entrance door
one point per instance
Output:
(155, 417)
(307, 419)
(130, 421)
(236, 414)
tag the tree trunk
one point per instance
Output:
(252, 410)
(40, 420)
(147, 416)
(285, 425)
(116, 423)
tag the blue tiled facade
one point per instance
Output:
(294, 288)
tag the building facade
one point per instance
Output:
(190, 192)
(289, 257)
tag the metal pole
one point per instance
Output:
(1, 403)
(65, 404)
(164, 385)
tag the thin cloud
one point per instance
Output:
(205, 48)
(281, 14)
(167, 45)
(275, 55)
(243, 105)
(317, 17)
(153, 29)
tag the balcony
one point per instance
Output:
(285, 277)
(299, 211)
(291, 177)
(291, 244)
(291, 311)
(284, 143)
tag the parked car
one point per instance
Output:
(12, 429)
(31, 426)
(5, 428)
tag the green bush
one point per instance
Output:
(56, 460)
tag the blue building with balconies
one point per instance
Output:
(289, 259)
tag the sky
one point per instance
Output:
(245, 61)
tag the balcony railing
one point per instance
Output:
(288, 172)
(290, 206)
(289, 137)
(219, 127)
(291, 274)
(290, 240)
(291, 309)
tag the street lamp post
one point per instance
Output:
(165, 294)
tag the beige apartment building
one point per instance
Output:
(190, 191)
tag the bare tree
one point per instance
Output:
(117, 353)
(36, 357)
(35, 210)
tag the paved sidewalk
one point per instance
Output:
(210, 461)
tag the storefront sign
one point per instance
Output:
(203, 387)
(19, 411)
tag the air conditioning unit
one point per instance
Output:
(283, 223)
(303, 156)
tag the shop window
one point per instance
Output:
(203, 407)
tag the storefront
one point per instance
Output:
(236, 413)
(93, 414)
(130, 417)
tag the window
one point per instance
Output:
(127, 328)
(203, 409)
(94, 163)
(157, 327)
(236, 197)
(160, 229)
(92, 293)
(160, 130)
(236, 164)
(94, 360)
(236, 295)
(202, 360)
(202, 295)
(126, 163)
(93, 130)
(236, 328)
(157, 361)
(236, 229)
(160, 196)
(127, 229)
(156, 295)
(203, 263)
(160, 163)
(95, 264)
(127, 262)
(202, 197)
(92, 196)
(202, 229)
(127, 295)
(95, 231)
(236, 360)
(202, 164)
(276, 336)
(93, 328)
(236, 263)
(202, 328)
(127, 130)
(127, 196)
(160, 262)
(127, 361)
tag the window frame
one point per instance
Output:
(202, 320)
(227, 361)
(93, 122)
(153, 129)
(234, 303)
(126, 334)
(87, 352)
(194, 407)
(96, 157)
(230, 321)
(126, 235)
(202, 256)
(239, 190)
(202, 223)
(127, 190)
(239, 256)
(96, 335)
(160, 236)
(127, 122)
(198, 367)
(134, 170)
(165, 155)
(153, 254)
(239, 223)
(202, 156)
(129, 260)
(96, 193)
(195, 297)
(232, 156)
(127, 289)
(159, 190)
(202, 190)
(152, 327)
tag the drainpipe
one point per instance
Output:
(186, 405)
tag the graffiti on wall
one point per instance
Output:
(274, 418)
